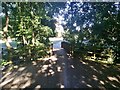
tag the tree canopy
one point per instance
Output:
(92, 25)
(88, 25)
(25, 26)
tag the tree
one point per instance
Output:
(32, 36)
(92, 21)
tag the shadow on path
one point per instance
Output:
(88, 74)
(37, 74)
(60, 71)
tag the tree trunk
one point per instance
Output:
(6, 28)
(33, 38)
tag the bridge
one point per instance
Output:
(56, 41)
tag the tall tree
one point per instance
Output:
(5, 28)
(27, 29)
(92, 21)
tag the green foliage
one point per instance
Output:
(4, 62)
(27, 29)
(102, 36)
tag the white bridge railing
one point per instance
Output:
(56, 41)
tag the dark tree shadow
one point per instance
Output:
(59, 70)
(35, 74)
(88, 74)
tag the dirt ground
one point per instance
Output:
(61, 71)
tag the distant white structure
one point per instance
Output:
(3, 46)
(56, 42)
(59, 29)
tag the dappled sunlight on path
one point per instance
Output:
(61, 71)
(44, 73)
(88, 74)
